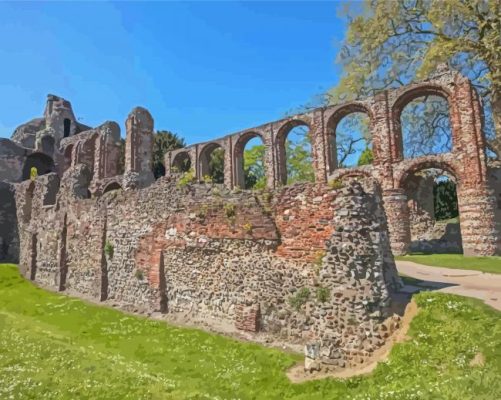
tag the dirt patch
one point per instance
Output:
(478, 360)
(297, 374)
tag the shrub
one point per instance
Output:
(202, 211)
(109, 249)
(139, 274)
(319, 256)
(187, 178)
(229, 210)
(207, 179)
(336, 184)
(247, 227)
(300, 298)
(33, 173)
(323, 294)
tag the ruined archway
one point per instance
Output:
(250, 173)
(181, 162)
(349, 137)
(432, 201)
(294, 148)
(421, 118)
(42, 162)
(212, 163)
(111, 187)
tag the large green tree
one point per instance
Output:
(164, 141)
(390, 43)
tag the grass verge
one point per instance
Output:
(57, 347)
(456, 261)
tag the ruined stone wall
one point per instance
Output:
(229, 260)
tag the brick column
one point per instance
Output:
(397, 216)
(319, 147)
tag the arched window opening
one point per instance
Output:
(158, 170)
(212, 163)
(249, 162)
(350, 141)
(67, 127)
(425, 127)
(112, 186)
(433, 211)
(295, 153)
(181, 162)
(41, 162)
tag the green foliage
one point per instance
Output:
(247, 227)
(323, 294)
(366, 157)
(216, 166)
(109, 249)
(33, 173)
(254, 172)
(445, 200)
(299, 159)
(229, 210)
(186, 178)
(57, 347)
(207, 179)
(202, 211)
(299, 298)
(336, 184)
(164, 141)
(390, 43)
(139, 274)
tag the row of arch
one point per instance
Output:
(381, 145)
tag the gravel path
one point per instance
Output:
(481, 285)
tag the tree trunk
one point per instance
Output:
(495, 143)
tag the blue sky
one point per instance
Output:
(203, 69)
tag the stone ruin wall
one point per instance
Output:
(226, 260)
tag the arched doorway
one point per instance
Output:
(433, 210)
(112, 186)
(42, 162)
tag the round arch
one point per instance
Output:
(112, 186)
(404, 98)
(42, 162)
(238, 155)
(281, 138)
(181, 162)
(205, 161)
(419, 165)
(332, 124)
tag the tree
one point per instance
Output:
(164, 141)
(445, 200)
(216, 165)
(390, 43)
(299, 160)
(366, 157)
(254, 174)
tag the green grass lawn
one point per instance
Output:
(456, 261)
(57, 347)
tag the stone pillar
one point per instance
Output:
(319, 146)
(397, 216)
(138, 149)
(107, 152)
(479, 232)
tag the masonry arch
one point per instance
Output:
(349, 135)
(422, 122)
(211, 162)
(111, 187)
(42, 162)
(285, 173)
(181, 162)
(431, 189)
(248, 179)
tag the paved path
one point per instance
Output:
(481, 285)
